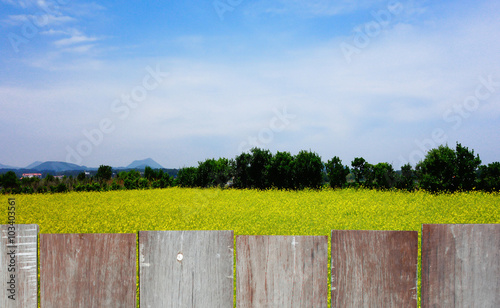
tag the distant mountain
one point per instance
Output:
(58, 166)
(34, 165)
(141, 164)
(7, 167)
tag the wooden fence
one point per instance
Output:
(460, 268)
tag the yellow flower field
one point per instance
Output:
(250, 212)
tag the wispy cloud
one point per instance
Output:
(16, 20)
(52, 32)
(21, 3)
(76, 38)
(46, 19)
(85, 9)
(79, 49)
(313, 7)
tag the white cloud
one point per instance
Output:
(52, 32)
(75, 39)
(15, 20)
(21, 3)
(55, 20)
(79, 49)
(312, 8)
(41, 20)
(85, 9)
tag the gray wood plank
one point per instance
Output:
(186, 268)
(24, 245)
(461, 266)
(88, 270)
(282, 271)
(374, 268)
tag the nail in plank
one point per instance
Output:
(186, 268)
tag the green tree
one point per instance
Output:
(437, 171)
(281, 171)
(153, 174)
(166, 180)
(445, 169)
(385, 176)
(308, 170)
(466, 168)
(337, 173)
(358, 168)
(130, 183)
(489, 177)
(241, 170)
(259, 164)
(115, 185)
(149, 173)
(130, 179)
(369, 175)
(104, 173)
(61, 187)
(186, 177)
(81, 177)
(407, 178)
(223, 172)
(206, 173)
(143, 183)
(49, 178)
(10, 180)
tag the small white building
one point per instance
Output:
(31, 175)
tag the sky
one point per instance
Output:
(109, 82)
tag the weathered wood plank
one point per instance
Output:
(88, 270)
(281, 271)
(24, 268)
(186, 268)
(374, 268)
(461, 266)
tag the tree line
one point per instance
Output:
(103, 180)
(443, 169)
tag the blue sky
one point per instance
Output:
(113, 81)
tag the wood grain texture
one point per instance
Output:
(461, 266)
(26, 274)
(88, 270)
(186, 268)
(374, 268)
(282, 271)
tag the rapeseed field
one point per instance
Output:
(250, 212)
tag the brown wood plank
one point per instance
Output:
(282, 271)
(88, 270)
(374, 268)
(186, 268)
(24, 249)
(461, 266)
